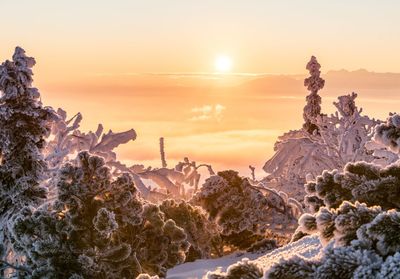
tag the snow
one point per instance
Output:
(307, 247)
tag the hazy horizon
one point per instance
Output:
(229, 121)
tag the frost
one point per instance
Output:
(244, 211)
(324, 143)
(389, 133)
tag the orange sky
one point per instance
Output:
(149, 65)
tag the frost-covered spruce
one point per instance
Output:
(24, 123)
(244, 212)
(98, 228)
(202, 234)
(361, 242)
(360, 181)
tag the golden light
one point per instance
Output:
(223, 64)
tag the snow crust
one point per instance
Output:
(307, 247)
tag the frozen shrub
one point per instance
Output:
(360, 181)
(389, 133)
(244, 212)
(294, 268)
(202, 234)
(359, 239)
(313, 203)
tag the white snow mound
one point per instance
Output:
(307, 247)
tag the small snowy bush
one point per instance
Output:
(202, 234)
(244, 212)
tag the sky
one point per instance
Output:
(150, 65)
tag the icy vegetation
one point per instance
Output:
(348, 165)
(324, 142)
(245, 212)
(69, 208)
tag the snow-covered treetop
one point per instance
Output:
(314, 83)
(313, 107)
(16, 77)
(346, 105)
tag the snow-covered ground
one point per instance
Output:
(307, 247)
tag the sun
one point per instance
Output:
(223, 64)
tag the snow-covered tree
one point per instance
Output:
(314, 83)
(243, 211)
(98, 227)
(24, 124)
(324, 143)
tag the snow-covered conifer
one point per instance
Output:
(98, 227)
(314, 83)
(24, 124)
(359, 181)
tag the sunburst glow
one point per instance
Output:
(223, 64)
